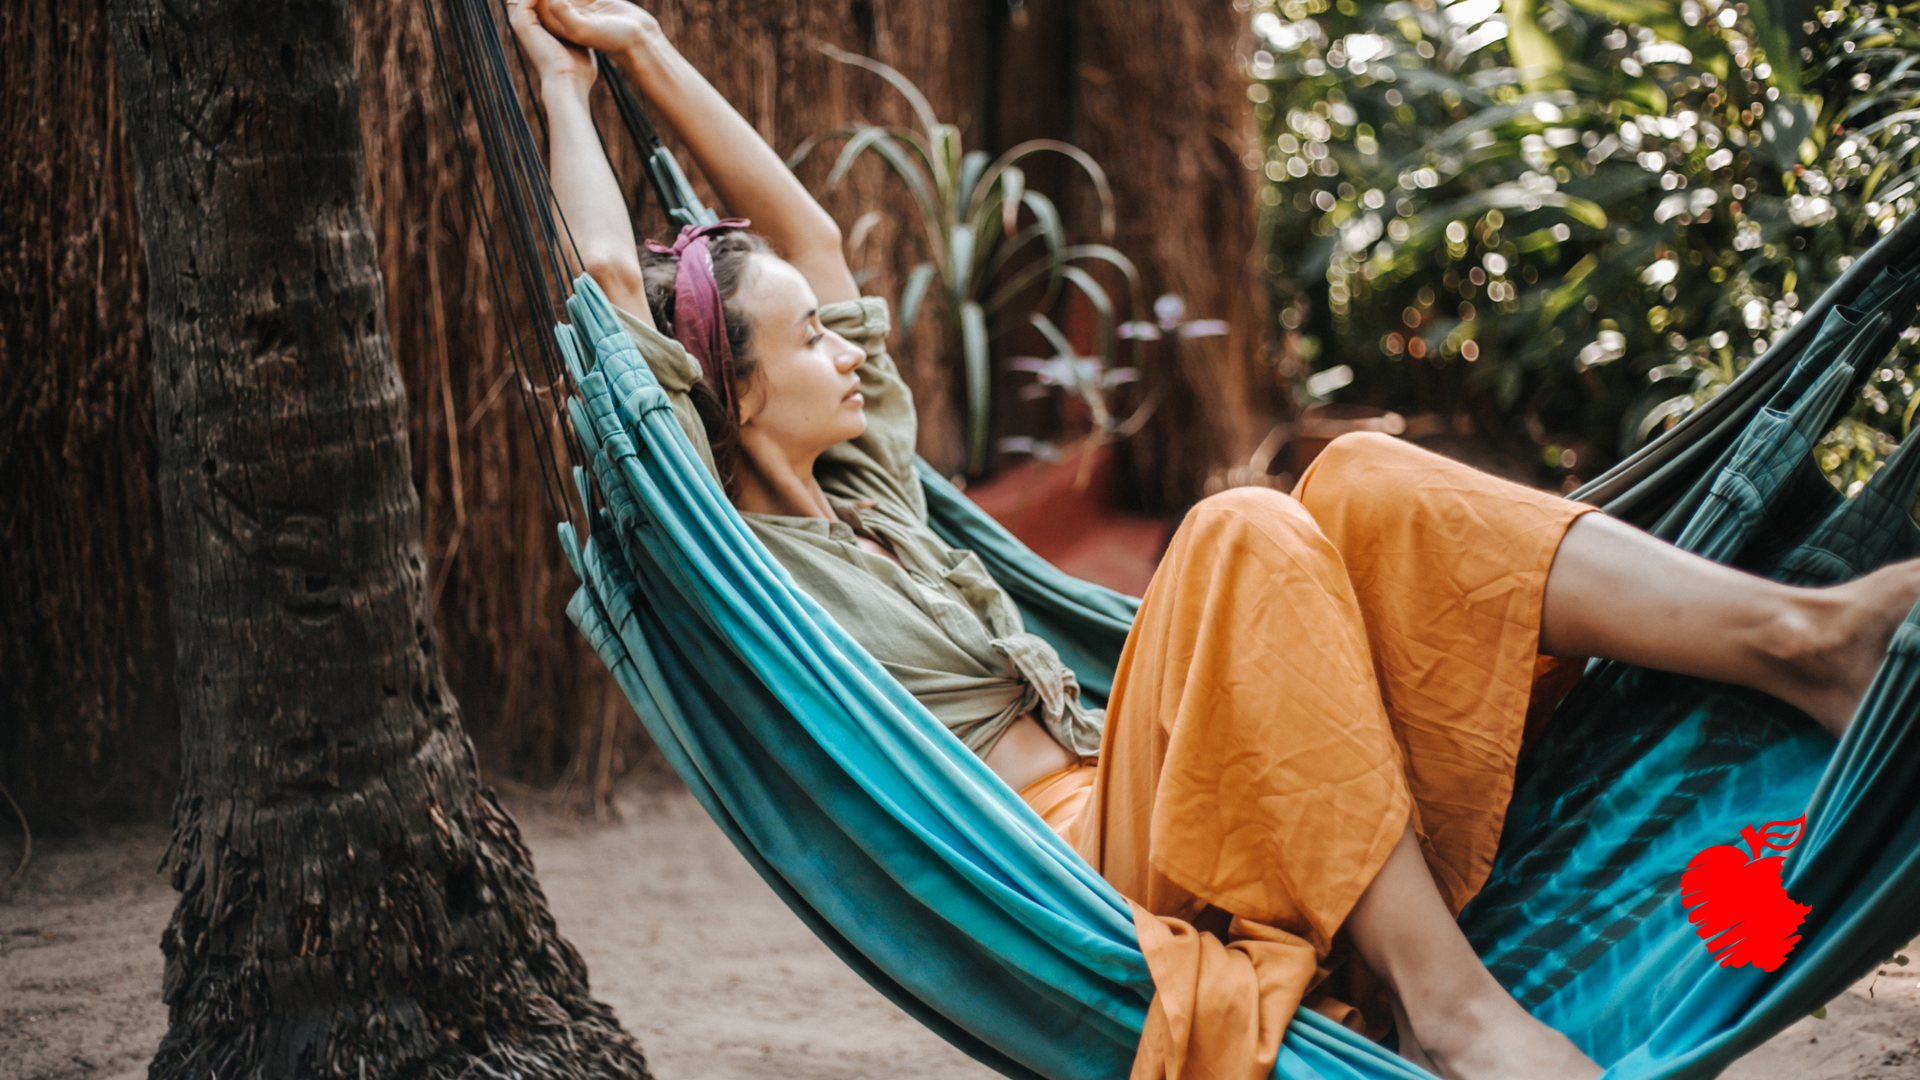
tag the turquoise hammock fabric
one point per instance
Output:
(934, 881)
(931, 878)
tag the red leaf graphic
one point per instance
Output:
(1739, 907)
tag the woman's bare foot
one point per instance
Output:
(1453, 1016)
(1831, 642)
(1489, 1038)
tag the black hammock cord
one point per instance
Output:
(475, 77)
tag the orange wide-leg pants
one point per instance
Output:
(1308, 675)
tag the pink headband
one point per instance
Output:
(698, 321)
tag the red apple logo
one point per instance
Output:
(1736, 902)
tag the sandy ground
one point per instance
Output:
(653, 902)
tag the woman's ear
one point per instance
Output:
(750, 399)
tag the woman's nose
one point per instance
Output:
(851, 356)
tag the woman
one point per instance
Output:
(1311, 738)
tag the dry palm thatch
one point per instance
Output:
(87, 720)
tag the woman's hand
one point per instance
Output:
(749, 177)
(612, 26)
(553, 59)
(587, 194)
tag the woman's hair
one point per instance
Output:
(731, 253)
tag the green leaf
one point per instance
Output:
(1013, 185)
(1657, 15)
(1534, 52)
(1904, 116)
(1425, 232)
(1569, 292)
(863, 138)
(1787, 124)
(960, 245)
(1781, 54)
(945, 140)
(972, 166)
(1102, 305)
(1004, 252)
(801, 152)
(1061, 346)
(984, 219)
(1092, 168)
(1819, 1013)
(1047, 218)
(973, 351)
(1113, 258)
(1873, 179)
(911, 296)
(1048, 268)
(1516, 113)
(923, 194)
(918, 101)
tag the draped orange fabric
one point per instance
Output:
(1307, 675)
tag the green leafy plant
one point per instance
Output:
(981, 260)
(1578, 219)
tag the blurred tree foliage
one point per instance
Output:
(1579, 219)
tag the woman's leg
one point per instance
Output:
(1619, 593)
(1449, 568)
(1610, 591)
(1453, 1017)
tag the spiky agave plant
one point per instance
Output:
(979, 257)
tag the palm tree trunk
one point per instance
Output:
(352, 902)
(1188, 210)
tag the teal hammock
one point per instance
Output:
(944, 891)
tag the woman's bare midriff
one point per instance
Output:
(1026, 753)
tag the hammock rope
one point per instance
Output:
(948, 894)
(476, 85)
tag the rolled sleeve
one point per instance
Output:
(879, 464)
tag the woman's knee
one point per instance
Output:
(1252, 502)
(1279, 517)
(1251, 543)
(1351, 456)
(1364, 473)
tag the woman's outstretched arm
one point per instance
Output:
(751, 179)
(584, 186)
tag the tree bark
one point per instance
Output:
(352, 902)
(1163, 101)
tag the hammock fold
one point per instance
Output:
(932, 879)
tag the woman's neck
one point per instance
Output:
(774, 484)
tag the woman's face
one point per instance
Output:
(803, 396)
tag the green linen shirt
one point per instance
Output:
(941, 625)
